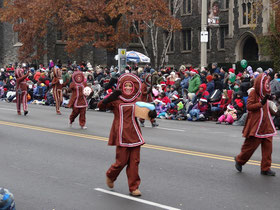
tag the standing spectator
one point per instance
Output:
(215, 68)
(275, 84)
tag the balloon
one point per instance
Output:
(244, 63)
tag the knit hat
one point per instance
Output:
(209, 78)
(239, 75)
(230, 107)
(175, 96)
(203, 100)
(194, 71)
(231, 70)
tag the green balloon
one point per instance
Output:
(244, 63)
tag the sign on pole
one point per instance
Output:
(204, 36)
(122, 60)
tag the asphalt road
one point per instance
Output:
(184, 165)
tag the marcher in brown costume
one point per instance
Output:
(259, 127)
(125, 132)
(57, 84)
(78, 101)
(21, 90)
(146, 96)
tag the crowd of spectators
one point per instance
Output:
(187, 93)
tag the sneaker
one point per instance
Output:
(58, 113)
(201, 116)
(218, 122)
(194, 119)
(154, 124)
(109, 183)
(238, 166)
(83, 127)
(25, 113)
(227, 123)
(268, 173)
(189, 116)
(142, 124)
(136, 193)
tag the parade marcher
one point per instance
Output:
(57, 84)
(146, 96)
(125, 132)
(78, 101)
(259, 127)
(21, 90)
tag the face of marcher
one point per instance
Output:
(128, 88)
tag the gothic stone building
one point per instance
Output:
(233, 40)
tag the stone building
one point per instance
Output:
(233, 40)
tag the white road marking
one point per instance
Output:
(169, 129)
(136, 199)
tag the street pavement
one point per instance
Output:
(184, 165)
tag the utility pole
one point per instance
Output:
(204, 33)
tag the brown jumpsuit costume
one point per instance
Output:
(57, 84)
(21, 91)
(78, 101)
(125, 132)
(259, 127)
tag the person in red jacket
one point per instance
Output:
(21, 90)
(78, 101)
(259, 127)
(147, 96)
(125, 132)
(239, 104)
(57, 84)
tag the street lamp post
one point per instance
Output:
(204, 32)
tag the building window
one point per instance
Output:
(224, 4)
(249, 13)
(223, 33)
(186, 7)
(171, 6)
(59, 35)
(171, 47)
(186, 39)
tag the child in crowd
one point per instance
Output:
(198, 111)
(229, 116)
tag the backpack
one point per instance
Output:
(215, 96)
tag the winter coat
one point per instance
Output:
(194, 83)
(259, 122)
(210, 87)
(202, 108)
(245, 86)
(185, 82)
(275, 86)
(218, 84)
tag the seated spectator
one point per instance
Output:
(194, 84)
(221, 106)
(229, 116)
(210, 84)
(239, 104)
(164, 98)
(173, 91)
(198, 111)
(217, 82)
(171, 79)
(161, 108)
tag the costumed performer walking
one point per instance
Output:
(259, 127)
(125, 132)
(78, 101)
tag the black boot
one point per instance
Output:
(154, 124)
(268, 173)
(238, 166)
(25, 113)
